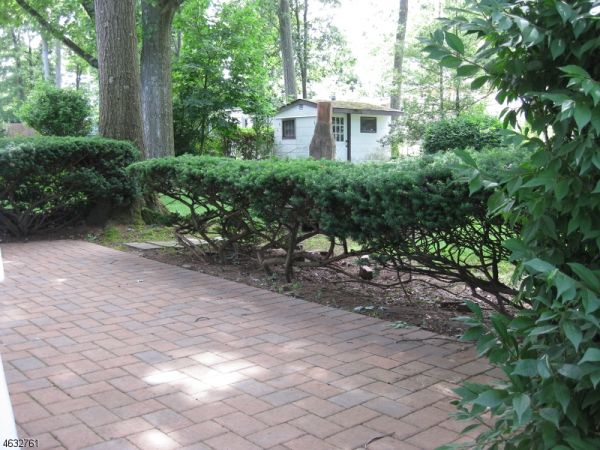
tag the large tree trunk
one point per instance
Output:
(322, 145)
(396, 97)
(118, 70)
(45, 60)
(157, 94)
(58, 64)
(287, 50)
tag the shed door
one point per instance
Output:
(340, 135)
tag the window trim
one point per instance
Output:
(362, 128)
(283, 136)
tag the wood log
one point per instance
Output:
(322, 145)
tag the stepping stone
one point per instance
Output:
(142, 246)
(195, 241)
(165, 243)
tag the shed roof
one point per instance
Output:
(343, 106)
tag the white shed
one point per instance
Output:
(358, 129)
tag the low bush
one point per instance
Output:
(417, 216)
(475, 131)
(49, 182)
(52, 111)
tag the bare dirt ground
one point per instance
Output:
(415, 303)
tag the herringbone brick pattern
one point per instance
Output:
(107, 350)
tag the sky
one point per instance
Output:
(369, 27)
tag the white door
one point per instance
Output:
(339, 127)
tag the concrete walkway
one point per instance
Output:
(104, 349)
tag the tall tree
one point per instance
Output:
(120, 103)
(157, 92)
(45, 59)
(58, 64)
(287, 50)
(396, 96)
(320, 48)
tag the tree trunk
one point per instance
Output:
(18, 66)
(287, 50)
(304, 67)
(157, 94)
(396, 97)
(441, 74)
(78, 73)
(58, 64)
(118, 70)
(322, 145)
(45, 60)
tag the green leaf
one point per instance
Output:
(565, 11)
(539, 266)
(552, 415)
(526, 368)
(575, 71)
(573, 334)
(570, 371)
(467, 70)
(591, 355)
(582, 115)
(538, 331)
(490, 398)
(454, 42)
(586, 275)
(478, 82)
(450, 61)
(562, 395)
(521, 405)
(557, 48)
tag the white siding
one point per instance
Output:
(365, 146)
(295, 148)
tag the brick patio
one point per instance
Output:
(108, 350)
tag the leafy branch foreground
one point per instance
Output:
(415, 218)
(545, 57)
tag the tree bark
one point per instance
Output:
(18, 66)
(157, 94)
(396, 97)
(287, 50)
(118, 70)
(45, 60)
(322, 145)
(304, 68)
(58, 64)
(57, 33)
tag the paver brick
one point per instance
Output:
(102, 361)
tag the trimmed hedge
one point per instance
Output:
(417, 216)
(50, 182)
(462, 132)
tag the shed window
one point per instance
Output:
(288, 129)
(368, 124)
(338, 129)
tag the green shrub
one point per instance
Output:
(57, 112)
(417, 213)
(248, 143)
(462, 132)
(50, 182)
(542, 56)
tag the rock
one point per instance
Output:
(186, 266)
(365, 272)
